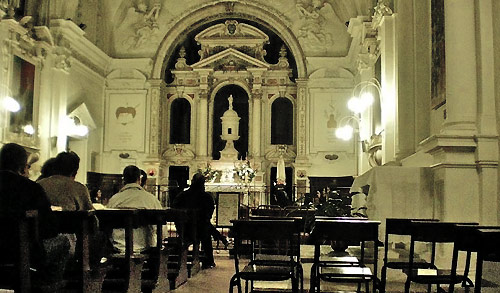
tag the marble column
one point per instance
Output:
(387, 35)
(487, 153)
(256, 133)
(461, 73)
(202, 134)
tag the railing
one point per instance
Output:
(252, 198)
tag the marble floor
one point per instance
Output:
(217, 280)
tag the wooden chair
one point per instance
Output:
(402, 227)
(264, 265)
(485, 241)
(433, 232)
(85, 278)
(16, 260)
(340, 271)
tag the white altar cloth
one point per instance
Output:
(397, 192)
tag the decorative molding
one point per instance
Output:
(281, 150)
(81, 48)
(381, 9)
(178, 154)
(154, 143)
(301, 118)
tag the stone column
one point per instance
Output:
(487, 138)
(256, 133)
(387, 36)
(154, 133)
(202, 133)
(461, 73)
(301, 122)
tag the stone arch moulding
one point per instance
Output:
(218, 10)
(226, 82)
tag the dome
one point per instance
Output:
(230, 113)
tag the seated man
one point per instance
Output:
(61, 187)
(18, 194)
(132, 195)
(63, 191)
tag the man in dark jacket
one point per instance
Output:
(195, 198)
(19, 194)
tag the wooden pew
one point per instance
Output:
(155, 274)
(82, 223)
(182, 263)
(128, 276)
(15, 269)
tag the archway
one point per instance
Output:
(240, 105)
(224, 10)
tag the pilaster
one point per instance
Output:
(202, 142)
(154, 132)
(302, 138)
(257, 105)
(461, 68)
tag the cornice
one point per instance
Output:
(67, 34)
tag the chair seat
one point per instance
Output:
(335, 273)
(399, 264)
(341, 260)
(442, 277)
(271, 258)
(265, 272)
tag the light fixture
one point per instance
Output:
(28, 129)
(11, 105)
(74, 127)
(362, 97)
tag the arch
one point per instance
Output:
(180, 121)
(241, 105)
(216, 11)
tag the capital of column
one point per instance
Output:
(203, 95)
(156, 83)
(257, 95)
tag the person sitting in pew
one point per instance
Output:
(19, 194)
(62, 189)
(132, 195)
(64, 192)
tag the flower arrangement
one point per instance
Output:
(245, 172)
(209, 173)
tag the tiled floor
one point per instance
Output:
(217, 280)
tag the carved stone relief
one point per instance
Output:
(312, 32)
(138, 22)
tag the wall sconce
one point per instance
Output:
(345, 131)
(10, 104)
(74, 127)
(362, 98)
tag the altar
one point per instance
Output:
(397, 192)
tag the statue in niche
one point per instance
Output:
(312, 33)
(141, 16)
(330, 115)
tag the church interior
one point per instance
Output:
(396, 99)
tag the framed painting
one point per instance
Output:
(125, 121)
